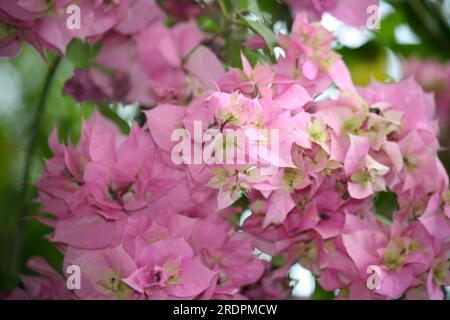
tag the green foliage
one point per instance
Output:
(242, 19)
(265, 32)
(426, 19)
(321, 294)
(60, 112)
(81, 53)
(114, 117)
(278, 262)
(209, 24)
(385, 204)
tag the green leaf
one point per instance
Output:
(106, 111)
(278, 262)
(249, 5)
(251, 55)
(321, 294)
(232, 52)
(258, 25)
(209, 24)
(242, 202)
(268, 35)
(385, 204)
(82, 54)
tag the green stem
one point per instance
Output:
(35, 125)
(223, 8)
(49, 78)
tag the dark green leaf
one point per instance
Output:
(321, 294)
(385, 205)
(111, 115)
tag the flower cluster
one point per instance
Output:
(130, 32)
(131, 223)
(44, 24)
(141, 226)
(179, 67)
(434, 77)
(313, 201)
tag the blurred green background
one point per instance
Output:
(30, 110)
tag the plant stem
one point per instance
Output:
(35, 125)
(223, 8)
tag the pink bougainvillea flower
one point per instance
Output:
(169, 269)
(108, 173)
(399, 258)
(420, 163)
(309, 58)
(150, 227)
(47, 285)
(103, 273)
(97, 18)
(366, 174)
(273, 285)
(251, 81)
(432, 76)
(436, 218)
(170, 49)
(439, 275)
(231, 256)
(398, 97)
(85, 232)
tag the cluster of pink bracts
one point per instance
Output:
(433, 77)
(141, 227)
